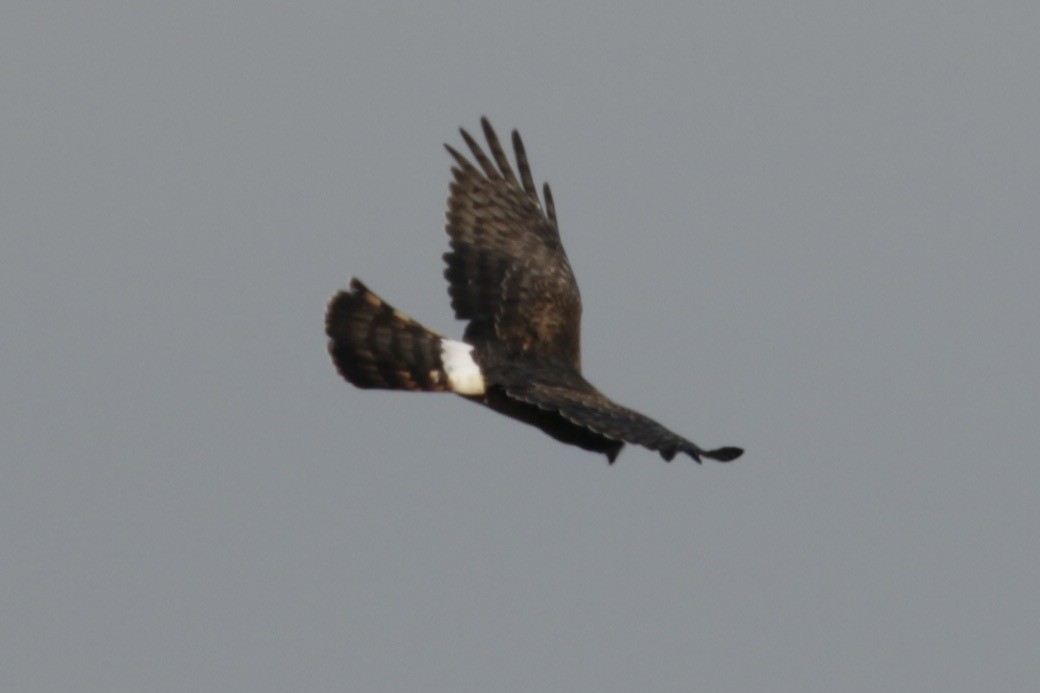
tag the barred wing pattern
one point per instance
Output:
(507, 271)
(597, 414)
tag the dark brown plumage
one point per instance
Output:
(521, 352)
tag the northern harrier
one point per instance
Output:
(520, 355)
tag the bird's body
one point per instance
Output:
(509, 277)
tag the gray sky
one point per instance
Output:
(809, 229)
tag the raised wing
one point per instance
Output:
(591, 410)
(507, 270)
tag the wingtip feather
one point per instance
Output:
(724, 454)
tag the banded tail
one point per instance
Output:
(375, 346)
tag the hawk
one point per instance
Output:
(520, 355)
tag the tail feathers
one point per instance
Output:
(375, 346)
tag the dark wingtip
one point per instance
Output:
(724, 454)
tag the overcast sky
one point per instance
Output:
(806, 228)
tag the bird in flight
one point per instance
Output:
(520, 355)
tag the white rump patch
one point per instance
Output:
(464, 376)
